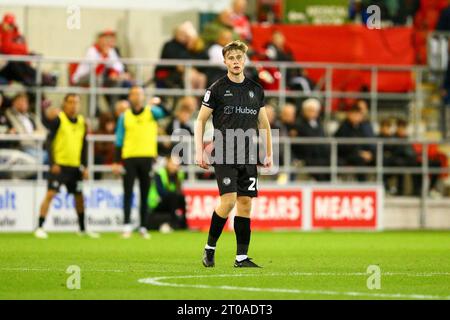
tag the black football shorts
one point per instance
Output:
(240, 178)
(71, 177)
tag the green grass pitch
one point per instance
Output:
(316, 265)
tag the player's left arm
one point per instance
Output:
(264, 127)
(120, 134)
(157, 108)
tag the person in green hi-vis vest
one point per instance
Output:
(165, 199)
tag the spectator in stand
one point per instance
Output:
(310, 126)
(240, 21)
(277, 50)
(444, 20)
(288, 120)
(273, 117)
(21, 121)
(366, 124)
(3, 80)
(12, 42)
(446, 84)
(178, 49)
(183, 116)
(386, 132)
(112, 39)
(275, 124)
(289, 126)
(180, 125)
(4, 128)
(4, 125)
(196, 49)
(216, 57)
(406, 156)
(223, 21)
(104, 151)
(355, 154)
(109, 74)
(175, 48)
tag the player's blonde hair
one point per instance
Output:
(234, 45)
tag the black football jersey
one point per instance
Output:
(235, 109)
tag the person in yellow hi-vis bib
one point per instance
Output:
(136, 146)
(68, 158)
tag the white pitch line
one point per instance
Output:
(158, 281)
(306, 274)
(82, 269)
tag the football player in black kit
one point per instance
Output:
(237, 106)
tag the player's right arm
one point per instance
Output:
(202, 118)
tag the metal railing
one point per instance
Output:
(285, 144)
(324, 91)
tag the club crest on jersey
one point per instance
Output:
(226, 181)
(228, 110)
(251, 94)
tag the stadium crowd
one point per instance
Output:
(296, 118)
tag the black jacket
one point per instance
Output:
(346, 130)
(310, 153)
(444, 20)
(405, 151)
(169, 74)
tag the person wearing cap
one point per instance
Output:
(109, 73)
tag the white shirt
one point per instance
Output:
(215, 54)
(93, 53)
(313, 123)
(27, 124)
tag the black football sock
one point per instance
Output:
(242, 230)
(215, 229)
(81, 221)
(41, 221)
